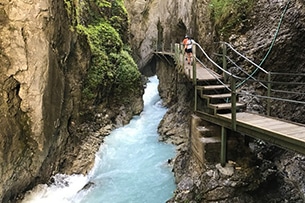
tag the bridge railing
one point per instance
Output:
(246, 73)
(242, 73)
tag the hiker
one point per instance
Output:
(184, 42)
(188, 49)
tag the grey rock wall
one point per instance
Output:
(39, 88)
(155, 22)
(158, 23)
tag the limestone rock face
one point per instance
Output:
(157, 23)
(41, 65)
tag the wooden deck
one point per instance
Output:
(285, 134)
(202, 74)
(290, 130)
(282, 133)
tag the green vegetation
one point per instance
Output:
(113, 74)
(229, 15)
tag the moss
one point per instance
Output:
(112, 72)
(126, 72)
(119, 19)
(102, 38)
(229, 15)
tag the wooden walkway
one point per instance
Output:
(202, 73)
(285, 134)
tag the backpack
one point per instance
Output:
(189, 43)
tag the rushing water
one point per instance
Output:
(130, 167)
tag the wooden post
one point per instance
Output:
(233, 102)
(269, 94)
(177, 55)
(182, 53)
(194, 75)
(223, 152)
(224, 61)
(194, 65)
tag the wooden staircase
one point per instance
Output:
(217, 98)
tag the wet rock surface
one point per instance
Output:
(264, 173)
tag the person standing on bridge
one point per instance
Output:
(189, 49)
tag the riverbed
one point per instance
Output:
(130, 167)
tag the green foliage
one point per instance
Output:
(127, 73)
(113, 73)
(127, 78)
(119, 19)
(227, 15)
(68, 6)
(103, 3)
(103, 37)
(98, 76)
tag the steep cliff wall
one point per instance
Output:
(157, 23)
(42, 63)
(278, 36)
(67, 80)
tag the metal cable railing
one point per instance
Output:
(243, 66)
(261, 76)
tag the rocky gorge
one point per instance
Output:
(263, 172)
(52, 124)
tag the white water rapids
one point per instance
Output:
(130, 167)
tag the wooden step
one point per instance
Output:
(216, 96)
(213, 87)
(223, 106)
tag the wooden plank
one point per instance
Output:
(216, 96)
(222, 106)
(213, 87)
(278, 126)
(201, 73)
(261, 121)
(299, 133)
(282, 140)
(273, 125)
(296, 130)
(284, 127)
(255, 119)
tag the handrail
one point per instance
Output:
(273, 98)
(290, 74)
(212, 73)
(249, 76)
(266, 84)
(213, 62)
(254, 64)
(271, 92)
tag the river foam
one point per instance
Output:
(130, 167)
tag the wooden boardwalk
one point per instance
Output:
(285, 134)
(202, 73)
